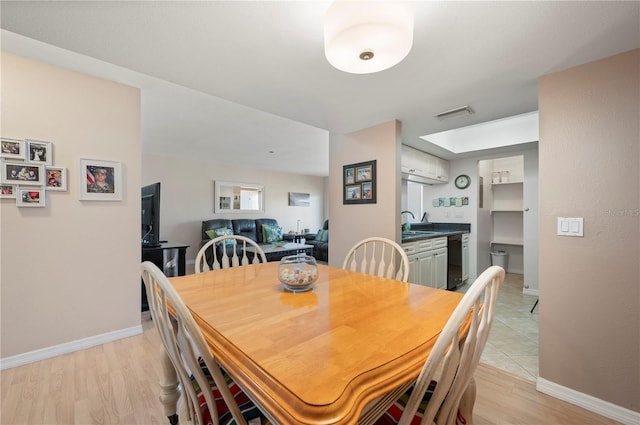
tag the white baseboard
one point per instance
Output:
(590, 403)
(68, 347)
(529, 291)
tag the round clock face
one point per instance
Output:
(462, 181)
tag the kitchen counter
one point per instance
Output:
(421, 231)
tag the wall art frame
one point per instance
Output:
(12, 149)
(55, 178)
(359, 183)
(39, 152)
(32, 197)
(7, 191)
(297, 199)
(100, 180)
(21, 173)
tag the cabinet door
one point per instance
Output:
(443, 170)
(465, 261)
(440, 269)
(413, 271)
(424, 268)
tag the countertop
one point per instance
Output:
(434, 230)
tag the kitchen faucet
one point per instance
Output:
(406, 226)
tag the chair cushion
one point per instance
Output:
(248, 409)
(271, 234)
(394, 412)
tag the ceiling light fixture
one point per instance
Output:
(367, 36)
(456, 112)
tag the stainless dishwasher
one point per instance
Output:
(454, 266)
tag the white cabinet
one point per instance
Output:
(428, 262)
(465, 257)
(422, 167)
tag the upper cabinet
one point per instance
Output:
(424, 168)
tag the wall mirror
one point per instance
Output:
(233, 197)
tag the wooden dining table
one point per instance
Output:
(317, 357)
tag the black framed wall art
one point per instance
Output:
(359, 183)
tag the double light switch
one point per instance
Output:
(570, 226)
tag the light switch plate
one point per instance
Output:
(571, 226)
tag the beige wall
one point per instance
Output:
(352, 223)
(589, 287)
(70, 270)
(187, 188)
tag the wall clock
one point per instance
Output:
(462, 181)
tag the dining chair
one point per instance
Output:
(228, 251)
(209, 395)
(435, 397)
(378, 256)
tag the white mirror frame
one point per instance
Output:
(234, 197)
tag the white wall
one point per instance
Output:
(589, 286)
(352, 223)
(187, 197)
(71, 270)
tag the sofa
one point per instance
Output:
(321, 243)
(248, 227)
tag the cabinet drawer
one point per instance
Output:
(409, 248)
(424, 245)
(438, 243)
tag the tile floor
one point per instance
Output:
(513, 341)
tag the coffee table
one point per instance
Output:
(275, 252)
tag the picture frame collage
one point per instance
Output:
(359, 183)
(27, 171)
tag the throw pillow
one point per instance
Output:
(325, 236)
(320, 234)
(223, 231)
(211, 234)
(271, 234)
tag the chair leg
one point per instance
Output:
(534, 305)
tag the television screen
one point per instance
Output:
(150, 218)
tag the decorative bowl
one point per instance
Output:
(298, 272)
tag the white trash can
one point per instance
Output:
(500, 258)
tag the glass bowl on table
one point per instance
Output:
(298, 272)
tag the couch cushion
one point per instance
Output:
(217, 223)
(271, 234)
(245, 227)
(259, 223)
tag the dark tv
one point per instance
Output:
(151, 215)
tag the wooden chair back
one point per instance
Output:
(228, 251)
(380, 257)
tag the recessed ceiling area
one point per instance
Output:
(494, 134)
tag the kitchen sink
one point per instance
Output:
(412, 233)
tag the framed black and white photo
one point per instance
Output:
(100, 180)
(55, 178)
(30, 197)
(359, 182)
(299, 199)
(7, 191)
(12, 149)
(39, 152)
(21, 173)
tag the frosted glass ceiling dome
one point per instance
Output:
(367, 37)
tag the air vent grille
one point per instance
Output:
(456, 112)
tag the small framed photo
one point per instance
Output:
(55, 178)
(359, 183)
(39, 152)
(353, 192)
(12, 149)
(100, 180)
(30, 197)
(349, 176)
(7, 191)
(22, 173)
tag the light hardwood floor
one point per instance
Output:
(117, 383)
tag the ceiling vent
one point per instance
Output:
(456, 112)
